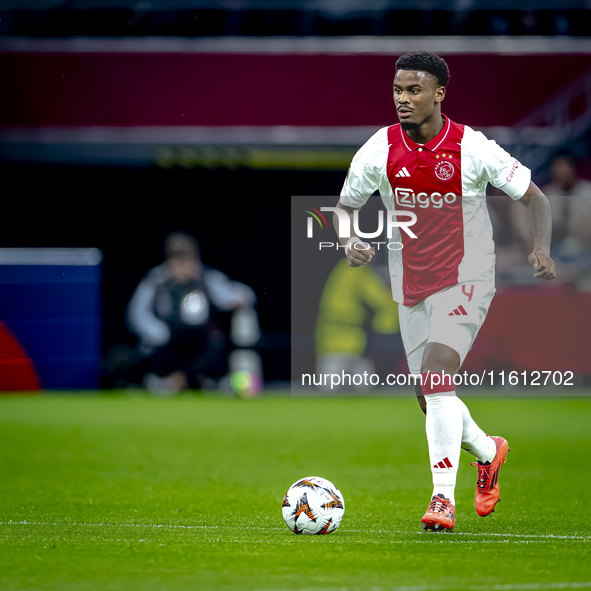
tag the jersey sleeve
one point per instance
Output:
(500, 169)
(362, 178)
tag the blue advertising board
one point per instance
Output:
(50, 298)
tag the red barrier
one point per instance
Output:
(17, 370)
(535, 328)
(193, 89)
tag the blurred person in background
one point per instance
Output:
(176, 311)
(570, 201)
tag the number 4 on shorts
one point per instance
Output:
(468, 295)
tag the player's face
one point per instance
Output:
(416, 94)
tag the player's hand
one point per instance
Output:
(543, 264)
(360, 255)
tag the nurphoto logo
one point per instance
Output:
(392, 220)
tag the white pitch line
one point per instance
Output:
(152, 525)
(509, 587)
(445, 535)
(465, 533)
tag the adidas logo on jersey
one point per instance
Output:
(402, 172)
(459, 311)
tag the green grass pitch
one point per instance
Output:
(108, 492)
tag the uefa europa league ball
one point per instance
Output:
(313, 505)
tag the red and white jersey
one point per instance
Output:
(444, 183)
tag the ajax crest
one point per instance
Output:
(444, 170)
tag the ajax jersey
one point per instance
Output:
(444, 183)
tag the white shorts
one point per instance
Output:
(452, 316)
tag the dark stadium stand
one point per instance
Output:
(193, 18)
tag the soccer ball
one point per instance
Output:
(313, 505)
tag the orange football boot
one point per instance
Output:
(440, 516)
(487, 486)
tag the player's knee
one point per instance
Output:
(439, 358)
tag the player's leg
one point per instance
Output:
(444, 428)
(442, 358)
(446, 410)
(414, 329)
(455, 332)
(418, 387)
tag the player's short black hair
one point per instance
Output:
(426, 62)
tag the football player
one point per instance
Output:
(443, 279)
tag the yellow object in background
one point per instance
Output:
(349, 295)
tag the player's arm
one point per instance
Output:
(540, 219)
(358, 252)
(360, 183)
